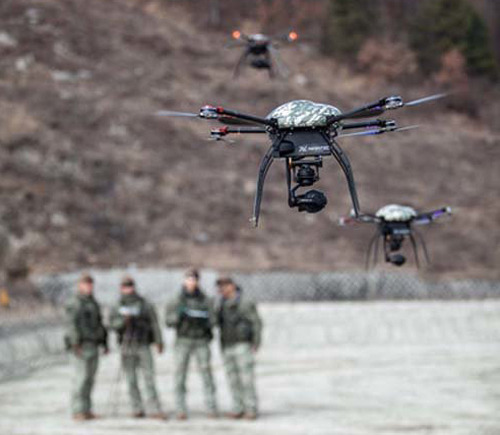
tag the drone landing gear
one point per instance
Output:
(372, 250)
(265, 164)
(344, 163)
(424, 246)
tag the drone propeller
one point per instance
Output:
(177, 114)
(425, 99)
(374, 131)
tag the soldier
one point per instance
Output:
(85, 334)
(191, 313)
(136, 323)
(240, 336)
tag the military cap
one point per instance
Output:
(192, 273)
(224, 280)
(127, 281)
(86, 278)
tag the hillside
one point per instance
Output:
(90, 177)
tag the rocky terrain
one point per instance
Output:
(89, 177)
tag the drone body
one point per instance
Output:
(302, 137)
(260, 52)
(395, 223)
(302, 133)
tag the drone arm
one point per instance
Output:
(218, 133)
(367, 124)
(371, 109)
(244, 117)
(427, 218)
(380, 106)
(367, 111)
(362, 218)
(247, 130)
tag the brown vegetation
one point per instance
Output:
(90, 177)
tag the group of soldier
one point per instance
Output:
(194, 316)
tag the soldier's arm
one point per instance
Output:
(172, 315)
(255, 319)
(116, 320)
(104, 332)
(212, 316)
(72, 318)
(155, 325)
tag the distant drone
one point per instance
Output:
(261, 52)
(394, 225)
(302, 133)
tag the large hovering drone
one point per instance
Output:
(395, 224)
(261, 52)
(302, 133)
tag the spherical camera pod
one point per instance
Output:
(312, 201)
(260, 63)
(397, 259)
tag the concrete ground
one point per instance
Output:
(325, 368)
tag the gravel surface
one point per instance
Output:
(348, 368)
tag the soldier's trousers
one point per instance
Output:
(85, 368)
(138, 358)
(239, 363)
(200, 349)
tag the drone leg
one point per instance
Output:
(265, 164)
(424, 246)
(237, 68)
(281, 68)
(288, 172)
(377, 250)
(369, 253)
(344, 163)
(415, 250)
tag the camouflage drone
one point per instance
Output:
(302, 133)
(260, 52)
(394, 224)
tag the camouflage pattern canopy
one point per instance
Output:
(259, 37)
(302, 113)
(396, 213)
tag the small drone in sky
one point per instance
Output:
(395, 223)
(261, 52)
(302, 133)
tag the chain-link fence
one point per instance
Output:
(159, 285)
(34, 339)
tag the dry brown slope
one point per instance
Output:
(89, 177)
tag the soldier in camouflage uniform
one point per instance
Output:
(191, 313)
(85, 334)
(135, 321)
(240, 335)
